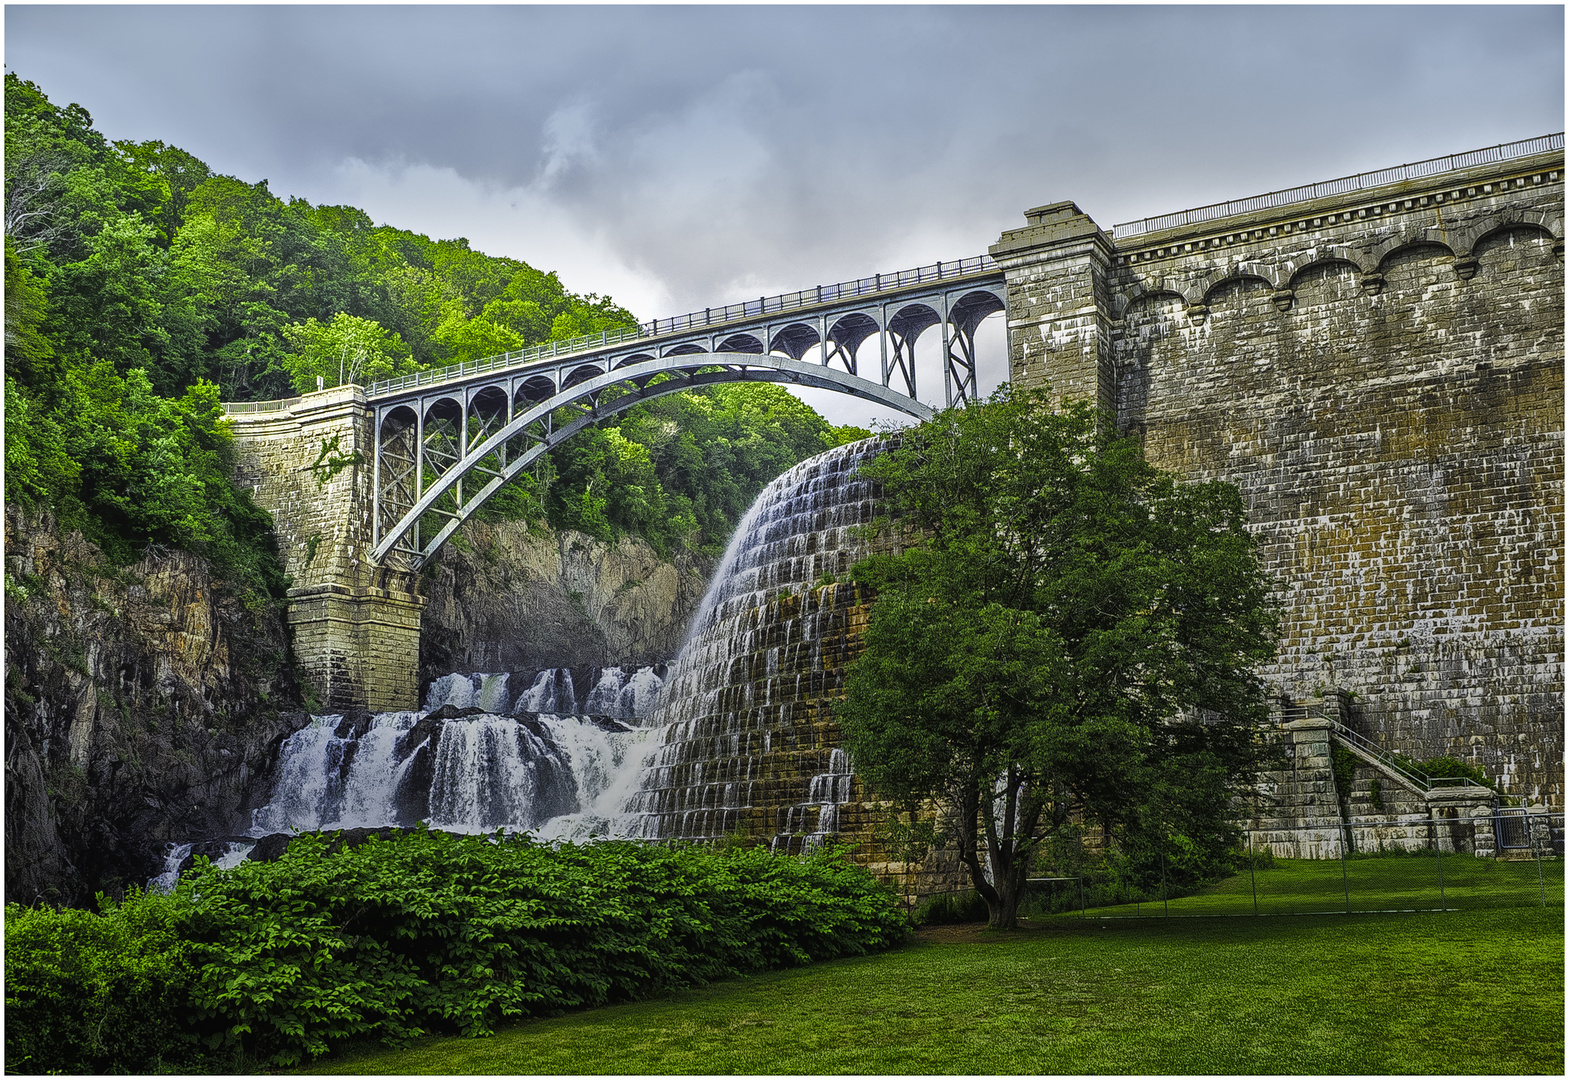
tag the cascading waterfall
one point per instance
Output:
(744, 740)
(737, 737)
(475, 759)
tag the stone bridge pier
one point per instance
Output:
(356, 624)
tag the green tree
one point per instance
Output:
(468, 339)
(346, 350)
(169, 172)
(1068, 639)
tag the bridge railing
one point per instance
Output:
(823, 294)
(1415, 170)
(763, 305)
(534, 353)
(275, 405)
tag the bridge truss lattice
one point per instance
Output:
(446, 441)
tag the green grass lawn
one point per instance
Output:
(1478, 990)
(1390, 883)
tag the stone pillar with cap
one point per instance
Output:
(1059, 304)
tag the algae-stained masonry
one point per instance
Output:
(1378, 364)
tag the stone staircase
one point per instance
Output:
(1306, 812)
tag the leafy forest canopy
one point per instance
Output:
(142, 289)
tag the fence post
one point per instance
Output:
(1083, 912)
(1536, 849)
(1252, 877)
(1165, 906)
(1345, 881)
(1438, 845)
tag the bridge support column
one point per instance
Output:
(357, 647)
(355, 624)
(1059, 320)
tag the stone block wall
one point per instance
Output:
(1381, 373)
(355, 624)
(765, 765)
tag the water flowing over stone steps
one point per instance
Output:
(735, 739)
(747, 742)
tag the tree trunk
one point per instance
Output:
(1006, 891)
(1003, 912)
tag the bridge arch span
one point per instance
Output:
(401, 499)
(533, 389)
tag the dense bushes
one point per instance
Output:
(273, 962)
(86, 992)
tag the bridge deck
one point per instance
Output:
(552, 354)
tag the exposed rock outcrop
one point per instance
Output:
(140, 705)
(508, 597)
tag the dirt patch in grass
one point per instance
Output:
(977, 934)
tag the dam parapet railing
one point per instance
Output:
(1359, 182)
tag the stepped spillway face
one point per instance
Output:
(746, 743)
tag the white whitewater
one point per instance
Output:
(602, 752)
(516, 767)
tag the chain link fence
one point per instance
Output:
(1512, 858)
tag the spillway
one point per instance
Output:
(745, 742)
(735, 738)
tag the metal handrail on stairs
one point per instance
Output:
(1415, 780)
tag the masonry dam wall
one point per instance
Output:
(1380, 370)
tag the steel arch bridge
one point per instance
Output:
(446, 441)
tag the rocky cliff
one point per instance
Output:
(140, 705)
(508, 596)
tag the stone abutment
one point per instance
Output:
(355, 624)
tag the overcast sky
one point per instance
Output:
(677, 158)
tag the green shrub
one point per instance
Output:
(1259, 857)
(99, 993)
(434, 932)
(1452, 768)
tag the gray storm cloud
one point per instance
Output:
(698, 154)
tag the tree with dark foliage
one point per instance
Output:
(1068, 639)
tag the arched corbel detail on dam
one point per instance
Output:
(1470, 244)
(1329, 264)
(509, 449)
(1241, 274)
(1402, 242)
(1268, 273)
(1146, 290)
(1465, 242)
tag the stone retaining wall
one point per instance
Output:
(1381, 373)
